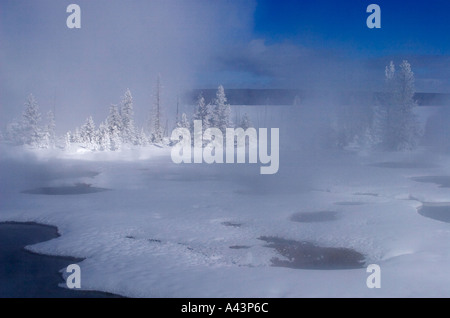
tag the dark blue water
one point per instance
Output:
(25, 274)
(440, 212)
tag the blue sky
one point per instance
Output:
(202, 43)
(322, 38)
(419, 27)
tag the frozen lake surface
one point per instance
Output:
(199, 230)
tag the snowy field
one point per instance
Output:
(194, 230)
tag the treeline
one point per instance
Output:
(118, 129)
(390, 124)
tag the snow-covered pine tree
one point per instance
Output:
(67, 141)
(50, 129)
(245, 122)
(44, 140)
(203, 112)
(31, 118)
(184, 122)
(142, 139)
(409, 127)
(386, 113)
(221, 117)
(394, 117)
(104, 142)
(155, 125)
(114, 124)
(128, 130)
(75, 137)
(115, 141)
(88, 134)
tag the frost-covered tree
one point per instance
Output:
(31, 131)
(75, 137)
(221, 117)
(389, 72)
(184, 122)
(114, 121)
(245, 122)
(88, 134)
(155, 125)
(67, 141)
(409, 127)
(128, 130)
(203, 112)
(142, 139)
(394, 120)
(104, 141)
(50, 129)
(115, 141)
(114, 124)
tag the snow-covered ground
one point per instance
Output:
(165, 230)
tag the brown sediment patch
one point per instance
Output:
(367, 193)
(79, 188)
(403, 165)
(319, 216)
(306, 255)
(239, 247)
(349, 203)
(233, 224)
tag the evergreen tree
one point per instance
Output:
(76, 137)
(395, 122)
(142, 139)
(203, 112)
(115, 141)
(221, 117)
(104, 141)
(155, 126)
(50, 129)
(31, 132)
(67, 141)
(127, 113)
(114, 124)
(184, 123)
(88, 134)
